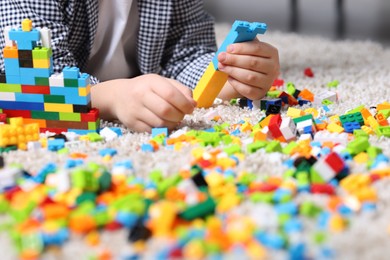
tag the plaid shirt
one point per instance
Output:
(176, 37)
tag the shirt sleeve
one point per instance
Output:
(191, 43)
(69, 30)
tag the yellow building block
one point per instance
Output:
(209, 86)
(54, 107)
(41, 63)
(26, 25)
(83, 92)
(294, 112)
(17, 133)
(372, 122)
(334, 128)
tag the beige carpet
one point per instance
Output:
(363, 70)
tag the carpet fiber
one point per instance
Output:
(363, 72)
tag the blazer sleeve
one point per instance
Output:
(191, 42)
(69, 29)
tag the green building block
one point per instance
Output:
(94, 137)
(199, 210)
(253, 147)
(383, 131)
(54, 99)
(273, 146)
(45, 115)
(289, 147)
(309, 209)
(232, 149)
(263, 197)
(75, 117)
(72, 83)
(40, 81)
(358, 145)
(15, 88)
(42, 53)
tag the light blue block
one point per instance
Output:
(157, 131)
(27, 81)
(71, 72)
(12, 66)
(25, 97)
(241, 31)
(25, 40)
(27, 72)
(81, 131)
(43, 73)
(64, 91)
(77, 100)
(84, 80)
(12, 79)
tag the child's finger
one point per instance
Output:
(174, 96)
(185, 90)
(164, 111)
(255, 47)
(249, 62)
(248, 91)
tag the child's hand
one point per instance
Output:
(252, 68)
(144, 102)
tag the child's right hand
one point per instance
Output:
(143, 102)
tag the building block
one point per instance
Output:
(12, 66)
(10, 52)
(46, 37)
(26, 25)
(8, 41)
(213, 80)
(209, 86)
(71, 72)
(30, 89)
(25, 40)
(15, 133)
(241, 31)
(10, 88)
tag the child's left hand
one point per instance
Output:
(252, 67)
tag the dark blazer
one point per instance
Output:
(176, 37)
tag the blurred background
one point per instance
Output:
(335, 19)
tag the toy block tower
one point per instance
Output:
(212, 81)
(29, 88)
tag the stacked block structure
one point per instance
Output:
(56, 102)
(213, 80)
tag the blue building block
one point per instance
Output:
(81, 131)
(117, 130)
(14, 105)
(77, 100)
(25, 97)
(147, 148)
(55, 144)
(70, 92)
(25, 40)
(12, 66)
(241, 31)
(158, 131)
(349, 127)
(71, 72)
(11, 79)
(107, 151)
(84, 80)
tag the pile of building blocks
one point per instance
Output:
(30, 88)
(213, 80)
(18, 134)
